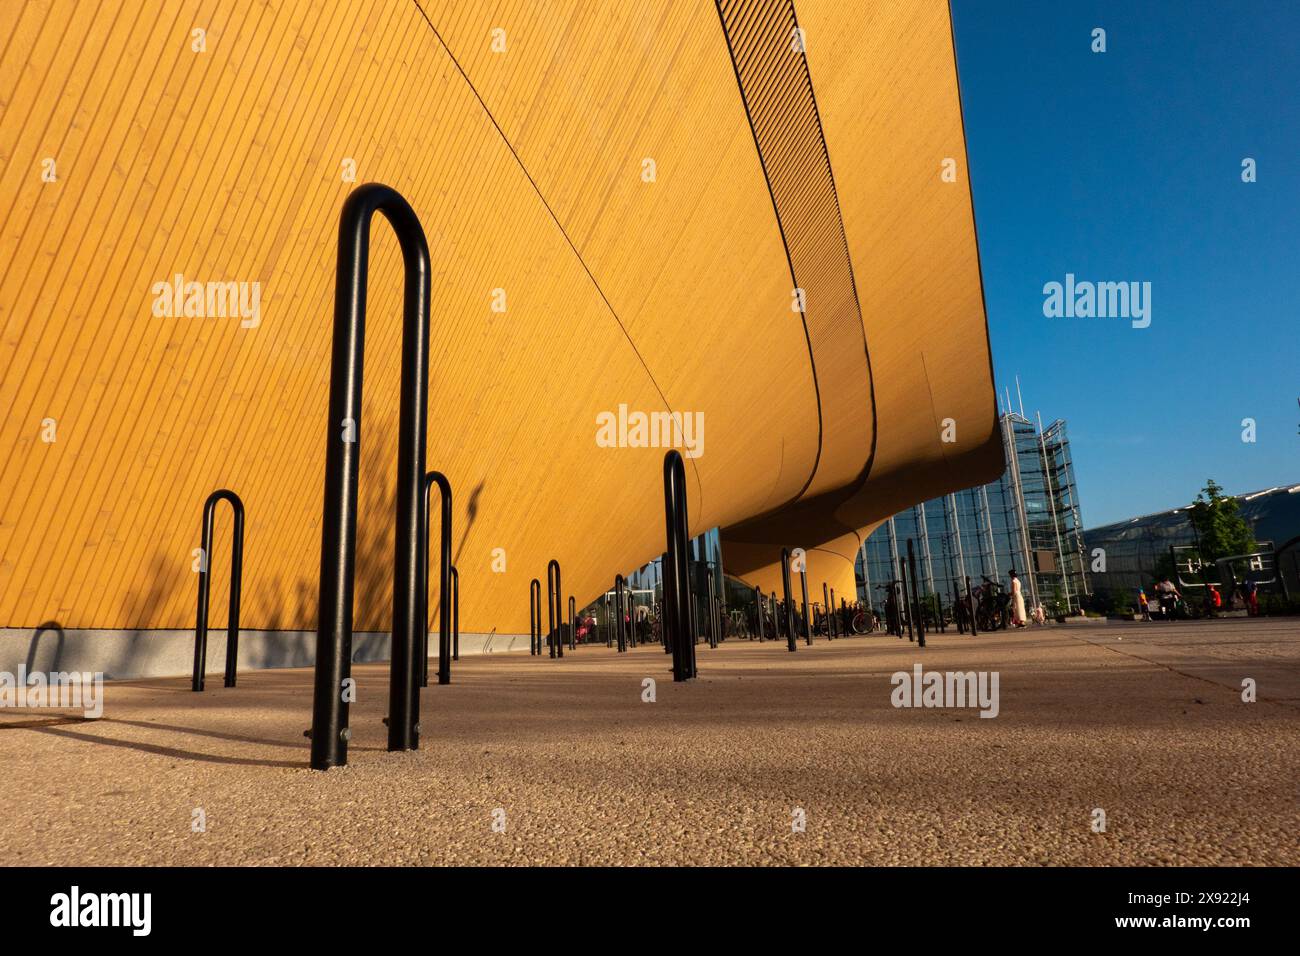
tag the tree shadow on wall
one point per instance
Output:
(372, 594)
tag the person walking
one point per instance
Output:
(1017, 602)
(1143, 604)
(1251, 589)
(1168, 597)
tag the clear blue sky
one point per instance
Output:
(1126, 166)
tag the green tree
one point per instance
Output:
(1220, 529)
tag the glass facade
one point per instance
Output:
(646, 587)
(1138, 550)
(1027, 520)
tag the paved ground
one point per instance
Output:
(1144, 721)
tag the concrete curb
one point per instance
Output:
(129, 655)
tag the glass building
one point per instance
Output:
(1027, 521)
(1138, 550)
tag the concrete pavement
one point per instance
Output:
(529, 760)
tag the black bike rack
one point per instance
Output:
(835, 617)
(554, 608)
(236, 580)
(970, 597)
(329, 731)
(535, 617)
(907, 597)
(715, 617)
(455, 614)
(807, 621)
(758, 615)
(629, 605)
(916, 596)
(789, 601)
(677, 582)
(620, 632)
(573, 615)
(607, 603)
(826, 611)
(444, 583)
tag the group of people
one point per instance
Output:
(1169, 598)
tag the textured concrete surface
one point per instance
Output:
(1144, 721)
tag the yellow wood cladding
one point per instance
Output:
(141, 140)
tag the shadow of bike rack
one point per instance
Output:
(329, 730)
(236, 580)
(444, 584)
(535, 617)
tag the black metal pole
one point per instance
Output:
(455, 614)
(916, 596)
(758, 615)
(789, 601)
(555, 607)
(835, 618)
(677, 583)
(958, 612)
(807, 621)
(444, 583)
(632, 639)
(573, 614)
(236, 582)
(535, 617)
(899, 604)
(826, 610)
(620, 633)
(907, 598)
(330, 732)
(970, 597)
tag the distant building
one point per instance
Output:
(1134, 547)
(1027, 520)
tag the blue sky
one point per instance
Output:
(1126, 166)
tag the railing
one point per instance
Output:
(444, 584)
(236, 579)
(677, 583)
(330, 732)
(535, 617)
(554, 608)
